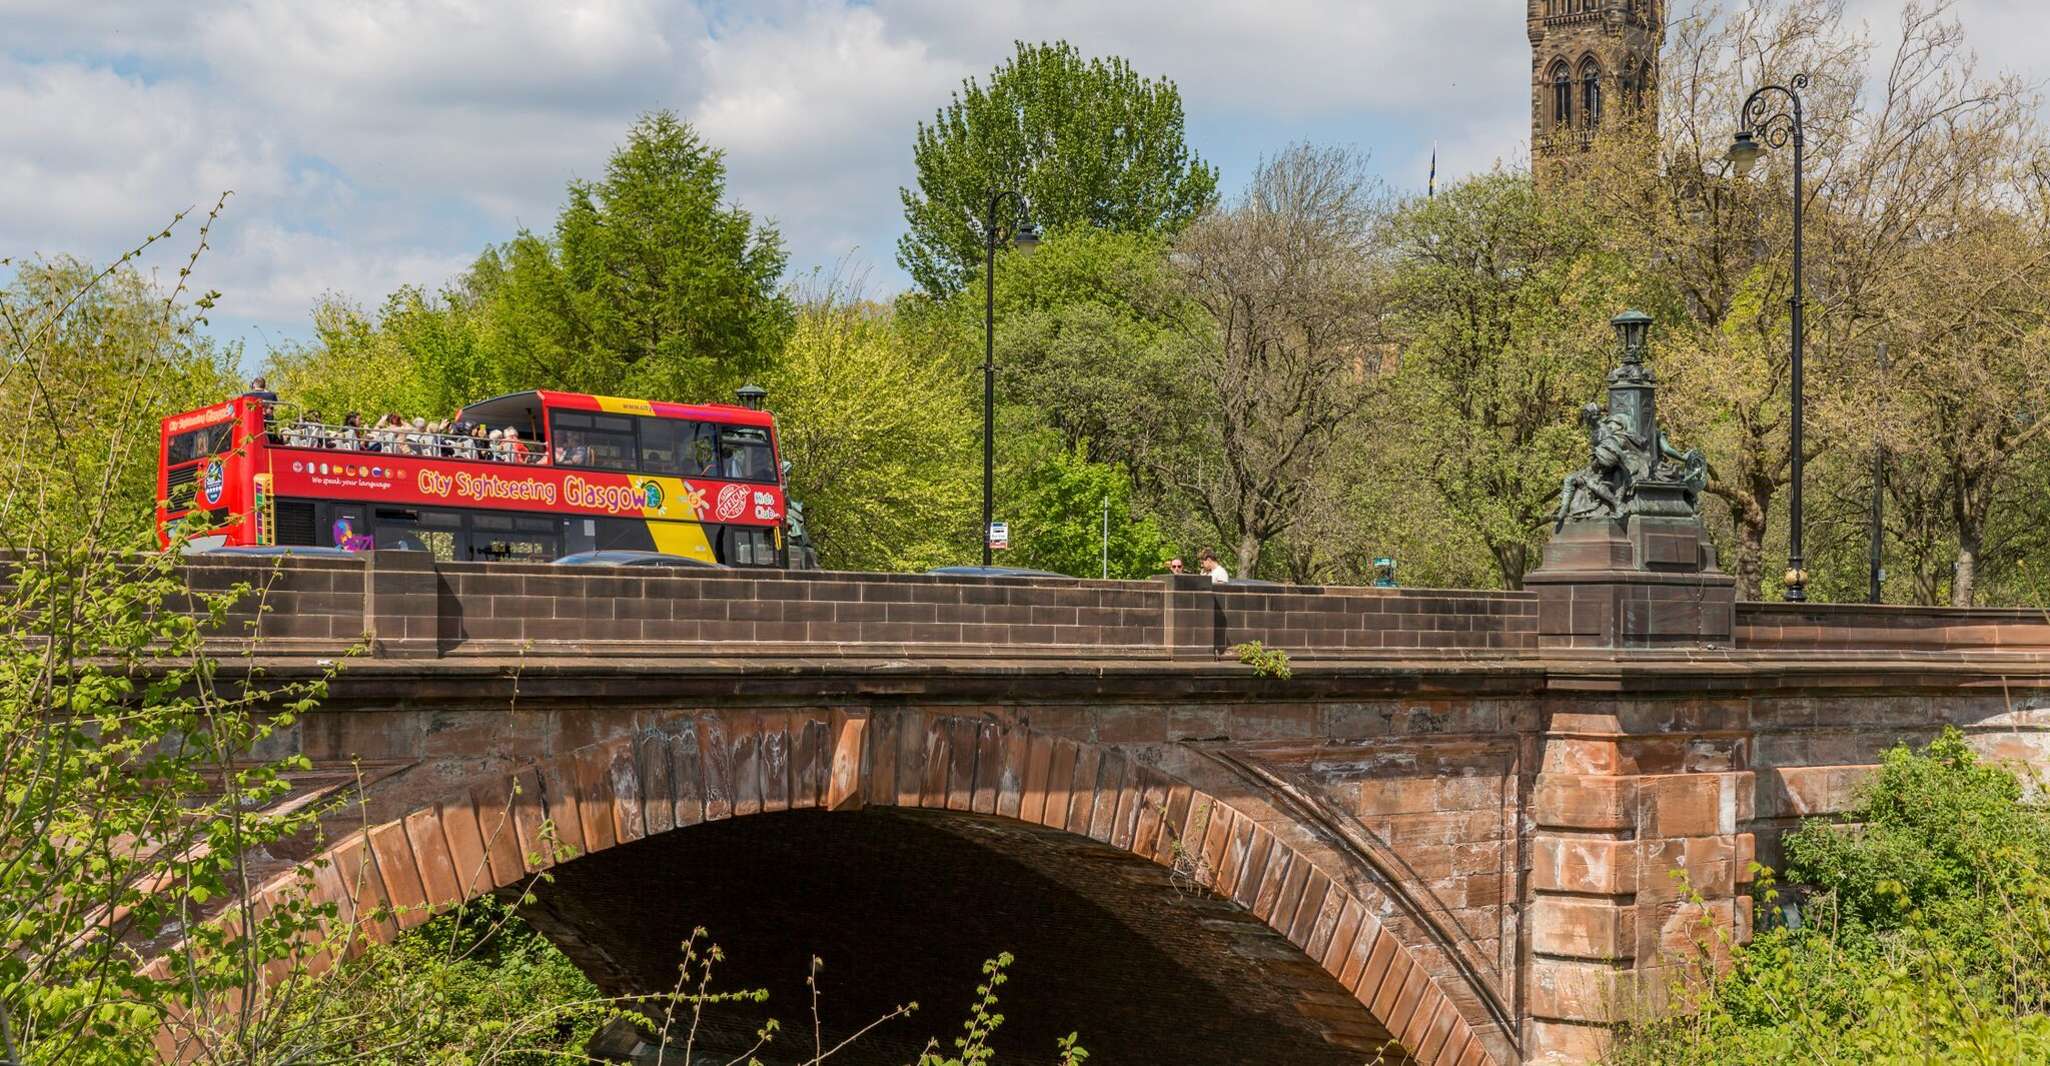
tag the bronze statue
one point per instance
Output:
(1632, 469)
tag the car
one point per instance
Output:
(990, 571)
(625, 557)
(268, 550)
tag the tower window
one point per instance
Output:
(1590, 94)
(1562, 96)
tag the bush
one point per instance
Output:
(1923, 934)
(1265, 661)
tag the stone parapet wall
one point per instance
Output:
(404, 604)
(1797, 627)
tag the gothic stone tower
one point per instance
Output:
(1589, 61)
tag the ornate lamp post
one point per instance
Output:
(1755, 123)
(1024, 238)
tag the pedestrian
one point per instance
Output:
(1174, 566)
(1207, 559)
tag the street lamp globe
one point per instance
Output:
(1026, 238)
(1744, 152)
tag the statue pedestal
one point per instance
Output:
(1643, 581)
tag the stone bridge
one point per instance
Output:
(1470, 828)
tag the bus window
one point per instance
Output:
(602, 441)
(747, 546)
(679, 448)
(199, 443)
(513, 539)
(663, 444)
(746, 453)
(405, 529)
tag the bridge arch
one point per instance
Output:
(490, 833)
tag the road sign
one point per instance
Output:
(999, 535)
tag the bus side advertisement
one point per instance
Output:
(399, 479)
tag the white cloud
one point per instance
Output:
(381, 142)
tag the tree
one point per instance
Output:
(1969, 418)
(1500, 305)
(93, 357)
(371, 366)
(879, 436)
(1086, 142)
(1091, 333)
(652, 286)
(1075, 516)
(1715, 251)
(1290, 337)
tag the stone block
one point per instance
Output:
(1584, 864)
(1566, 1042)
(1684, 805)
(1583, 928)
(1579, 991)
(1578, 801)
(1809, 791)
(1677, 868)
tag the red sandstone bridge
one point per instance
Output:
(1451, 835)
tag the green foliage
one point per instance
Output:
(668, 292)
(1502, 313)
(94, 357)
(370, 367)
(471, 986)
(1061, 499)
(128, 765)
(1925, 936)
(880, 439)
(1088, 142)
(1265, 661)
(1092, 333)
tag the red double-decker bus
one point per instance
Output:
(565, 473)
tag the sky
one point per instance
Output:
(377, 143)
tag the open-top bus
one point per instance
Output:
(588, 473)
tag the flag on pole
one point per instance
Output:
(1431, 183)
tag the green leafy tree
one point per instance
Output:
(1085, 141)
(880, 438)
(653, 285)
(1063, 504)
(93, 358)
(368, 366)
(1501, 311)
(1091, 333)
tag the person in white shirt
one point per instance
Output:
(1207, 559)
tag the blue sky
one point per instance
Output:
(379, 143)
